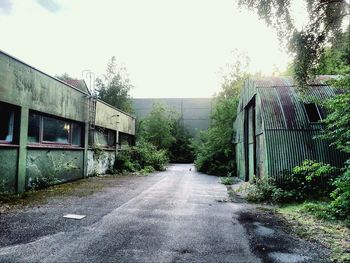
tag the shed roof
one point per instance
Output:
(280, 104)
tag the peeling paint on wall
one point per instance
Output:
(63, 165)
(100, 163)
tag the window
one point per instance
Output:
(125, 140)
(312, 112)
(50, 130)
(104, 137)
(8, 123)
(34, 128)
(56, 131)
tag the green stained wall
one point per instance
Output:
(63, 165)
(30, 89)
(27, 87)
(8, 169)
(111, 118)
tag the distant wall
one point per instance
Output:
(195, 111)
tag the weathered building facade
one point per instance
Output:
(276, 127)
(53, 131)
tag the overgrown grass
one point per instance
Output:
(309, 220)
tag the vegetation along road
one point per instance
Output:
(174, 216)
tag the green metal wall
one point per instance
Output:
(284, 135)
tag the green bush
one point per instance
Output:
(141, 156)
(261, 189)
(340, 204)
(147, 170)
(310, 180)
(226, 180)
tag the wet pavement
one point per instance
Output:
(174, 216)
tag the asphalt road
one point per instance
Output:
(174, 216)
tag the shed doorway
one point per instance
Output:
(249, 140)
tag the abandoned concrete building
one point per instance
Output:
(276, 128)
(52, 129)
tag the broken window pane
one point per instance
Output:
(76, 134)
(34, 128)
(57, 131)
(7, 118)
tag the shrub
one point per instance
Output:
(261, 189)
(340, 204)
(141, 156)
(147, 170)
(310, 180)
(226, 180)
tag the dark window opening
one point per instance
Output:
(125, 140)
(312, 112)
(34, 128)
(8, 123)
(56, 131)
(77, 134)
(50, 130)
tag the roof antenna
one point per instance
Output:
(91, 77)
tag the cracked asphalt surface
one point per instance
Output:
(173, 216)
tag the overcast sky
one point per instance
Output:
(171, 48)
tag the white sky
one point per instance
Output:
(171, 48)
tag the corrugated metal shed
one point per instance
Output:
(284, 136)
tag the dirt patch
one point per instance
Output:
(79, 188)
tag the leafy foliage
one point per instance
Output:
(157, 127)
(227, 180)
(340, 204)
(324, 26)
(144, 157)
(215, 152)
(310, 180)
(114, 87)
(164, 129)
(181, 150)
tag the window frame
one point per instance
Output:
(42, 142)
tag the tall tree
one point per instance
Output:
(325, 20)
(114, 87)
(157, 127)
(215, 153)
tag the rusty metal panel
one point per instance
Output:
(271, 109)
